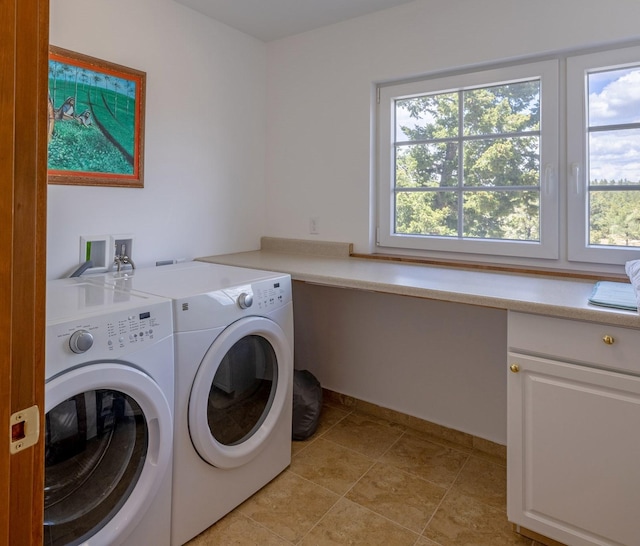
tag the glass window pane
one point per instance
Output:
(614, 157)
(427, 117)
(427, 213)
(506, 215)
(427, 165)
(502, 162)
(614, 218)
(502, 109)
(614, 97)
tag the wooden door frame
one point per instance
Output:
(24, 44)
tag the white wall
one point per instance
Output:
(390, 350)
(219, 103)
(320, 84)
(205, 134)
(438, 361)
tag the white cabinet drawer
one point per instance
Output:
(610, 347)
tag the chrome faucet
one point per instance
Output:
(121, 260)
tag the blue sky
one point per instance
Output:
(614, 98)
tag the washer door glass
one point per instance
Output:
(243, 390)
(98, 443)
(240, 391)
(95, 448)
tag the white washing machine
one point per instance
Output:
(109, 396)
(234, 372)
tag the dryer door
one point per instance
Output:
(108, 434)
(240, 391)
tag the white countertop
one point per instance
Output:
(528, 293)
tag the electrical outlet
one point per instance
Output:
(314, 225)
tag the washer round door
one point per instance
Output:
(240, 391)
(108, 437)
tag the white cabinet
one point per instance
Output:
(574, 430)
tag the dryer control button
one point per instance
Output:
(80, 341)
(245, 300)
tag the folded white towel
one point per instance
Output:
(633, 272)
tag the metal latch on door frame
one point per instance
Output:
(24, 429)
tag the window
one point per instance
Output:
(469, 162)
(603, 111)
(462, 161)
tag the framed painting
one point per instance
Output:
(95, 121)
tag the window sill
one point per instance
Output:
(529, 270)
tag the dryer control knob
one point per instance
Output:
(245, 300)
(81, 341)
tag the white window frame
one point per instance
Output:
(578, 68)
(548, 246)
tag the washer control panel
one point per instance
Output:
(221, 307)
(108, 336)
(262, 296)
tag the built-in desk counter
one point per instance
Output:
(446, 354)
(330, 264)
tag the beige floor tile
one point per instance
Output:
(484, 481)
(398, 496)
(297, 447)
(464, 521)
(332, 398)
(440, 440)
(423, 541)
(365, 434)
(433, 462)
(330, 465)
(486, 449)
(329, 416)
(377, 478)
(350, 524)
(289, 506)
(237, 530)
(460, 440)
(493, 458)
(379, 419)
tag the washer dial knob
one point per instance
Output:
(245, 300)
(80, 341)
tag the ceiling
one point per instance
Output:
(270, 20)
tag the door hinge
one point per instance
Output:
(24, 429)
(378, 95)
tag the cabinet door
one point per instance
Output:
(573, 452)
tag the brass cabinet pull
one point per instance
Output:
(608, 340)
(514, 368)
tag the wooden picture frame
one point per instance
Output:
(95, 121)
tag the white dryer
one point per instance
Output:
(234, 373)
(109, 396)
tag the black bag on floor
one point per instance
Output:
(307, 404)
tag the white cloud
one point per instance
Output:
(618, 101)
(615, 155)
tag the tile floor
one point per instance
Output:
(366, 478)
